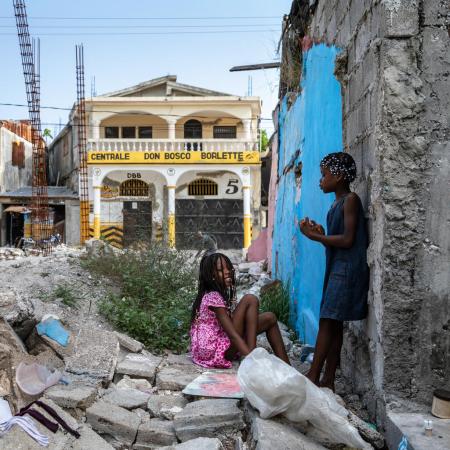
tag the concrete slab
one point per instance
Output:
(176, 378)
(90, 439)
(411, 427)
(166, 406)
(72, 396)
(126, 398)
(129, 343)
(269, 435)
(95, 354)
(139, 365)
(208, 418)
(155, 433)
(114, 421)
(197, 444)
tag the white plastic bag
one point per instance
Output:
(273, 387)
(34, 378)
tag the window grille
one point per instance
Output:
(202, 186)
(134, 188)
(224, 132)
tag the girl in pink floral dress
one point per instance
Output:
(219, 329)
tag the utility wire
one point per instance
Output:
(229, 25)
(146, 18)
(149, 33)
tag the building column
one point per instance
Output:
(247, 123)
(171, 122)
(171, 215)
(247, 217)
(97, 209)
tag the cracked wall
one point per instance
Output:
(394, 73)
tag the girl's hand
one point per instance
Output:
(306, 227)
(310, 228)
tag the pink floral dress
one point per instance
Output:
(209, 342)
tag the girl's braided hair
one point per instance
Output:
(340, 163)
(209, 280)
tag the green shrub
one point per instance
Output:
(156, 290)
(65, 293)
(275, 299)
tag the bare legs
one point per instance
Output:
(249, 323)
(328, 350)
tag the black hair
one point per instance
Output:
(340, 163)
(209, 282)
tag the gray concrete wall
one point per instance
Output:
(394, 72)
(63, 160)
(72, 222)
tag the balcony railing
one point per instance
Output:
(174, 145)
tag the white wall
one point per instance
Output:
(11, 177)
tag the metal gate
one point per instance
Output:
(137, 222)
(221, 218)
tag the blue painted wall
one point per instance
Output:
(308, 130)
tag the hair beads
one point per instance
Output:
(340, 163)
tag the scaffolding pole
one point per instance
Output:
(81, 129)
(30, 53)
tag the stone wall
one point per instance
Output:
(394, 74)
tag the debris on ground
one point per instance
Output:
(114, 392)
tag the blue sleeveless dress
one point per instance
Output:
(346, 281)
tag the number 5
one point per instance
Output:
(232, 186)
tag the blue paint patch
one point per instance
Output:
(312, 127)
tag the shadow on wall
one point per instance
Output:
(308, 130)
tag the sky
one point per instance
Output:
(128, 42)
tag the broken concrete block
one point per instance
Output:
(129, 343)
(114, 421)
(72, 396)
(166, 406)
(269, 434)
(90, 439)
(179, 360)
(95, 354)
(18, 311)
(140, 384)
(208, 418)
(175, 378)
(155, 433)
(139, 365)
(126, 398)
(197, 444)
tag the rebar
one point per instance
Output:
(82, 154)
(30, 53)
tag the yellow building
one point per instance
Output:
(166, 160)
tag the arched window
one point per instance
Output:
(134, 188)
(193, 129)
(202, 186)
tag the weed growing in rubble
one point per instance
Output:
(276, 300)
(65, 294)
(157, 287)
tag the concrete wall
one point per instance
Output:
(13, 177)
(63, 159)
(394, 74)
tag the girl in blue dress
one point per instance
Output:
(346, 278)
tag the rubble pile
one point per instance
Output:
(113, 392)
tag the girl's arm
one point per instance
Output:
(345, 240)
(236, 340)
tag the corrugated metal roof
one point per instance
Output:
(53, 192)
